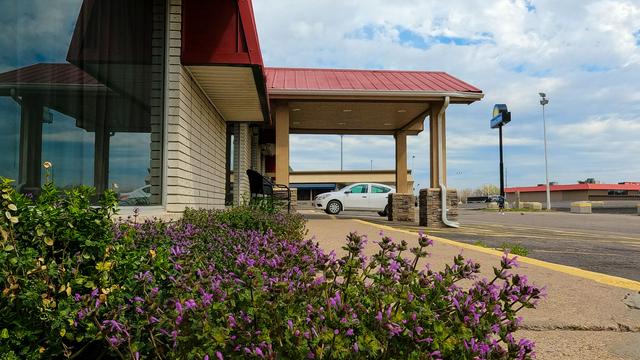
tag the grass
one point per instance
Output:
(515, 249)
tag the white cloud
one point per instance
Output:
(582, 53)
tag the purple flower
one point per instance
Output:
(190, 304)
(232, 321)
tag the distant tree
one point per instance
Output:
(464, 194)
(486, 190)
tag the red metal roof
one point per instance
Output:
(48, 74)
(364, 80)
(573, 187)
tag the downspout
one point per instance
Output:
(443, 188)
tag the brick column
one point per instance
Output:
(242, 162)
(401, 162)
(431, 209)
(281, 194)
(401, 207)
(282, 144)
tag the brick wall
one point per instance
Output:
(196, 142)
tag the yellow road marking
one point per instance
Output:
(546, 233)
(617, 235)
(570, 270)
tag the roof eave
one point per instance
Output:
(403, 95)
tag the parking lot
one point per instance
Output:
(604, 243)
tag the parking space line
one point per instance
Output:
(570, 270)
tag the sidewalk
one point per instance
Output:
(580, 319)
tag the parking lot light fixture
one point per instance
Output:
(544, 101)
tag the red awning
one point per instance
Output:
(354, 82)
(48, 75)
(220, 48)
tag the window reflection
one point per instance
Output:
(81, 87)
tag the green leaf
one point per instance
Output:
(4, 334)
(13, 207)
(7, 214)
(8, 248)
(39, 231)
(103, 266)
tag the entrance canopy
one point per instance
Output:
(338, 101)
(365, 102)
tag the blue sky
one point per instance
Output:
(584, 54)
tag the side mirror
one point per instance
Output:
(348, 192)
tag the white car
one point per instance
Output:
(360, 196)
(139, 196)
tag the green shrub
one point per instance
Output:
(236, 284)
(52, 248)
(249, 217)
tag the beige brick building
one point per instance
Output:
(168, 103)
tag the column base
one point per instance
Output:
(281, 194)
(401, 207)
(431, 207)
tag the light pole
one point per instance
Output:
(341, 168)
(501, 117)
(544, 101)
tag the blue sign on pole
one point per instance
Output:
(501, 116)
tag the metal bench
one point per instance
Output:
(262, 187)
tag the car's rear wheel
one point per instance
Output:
(334, 207)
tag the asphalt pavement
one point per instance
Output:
(604, 243)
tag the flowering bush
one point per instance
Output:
(243, 284)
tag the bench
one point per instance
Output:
(262, 187)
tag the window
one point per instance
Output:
(379, 189)
(359, 189)
(82, 88)
(618, 192)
